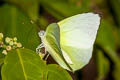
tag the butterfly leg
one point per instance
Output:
(47, 55)
(38, 49)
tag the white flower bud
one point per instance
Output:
(19, 45)
(8, 48)
(11, 43)
(14, 39)
(4, 52)
(7, 39)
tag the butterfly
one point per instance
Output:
(70, 41)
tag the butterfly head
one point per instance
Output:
(41, 33)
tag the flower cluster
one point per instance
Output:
(7, 44)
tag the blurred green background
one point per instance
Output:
(105, 63)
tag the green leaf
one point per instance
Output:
(30, 7)
(103, 65)
(14, 23)
(61, 9)
(55, 72)
(115, 4)
(106, 39)
(23, 64)
(1, 57)
(43, 23)
(116, 72)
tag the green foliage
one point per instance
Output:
(18, 25)
(103, 65)
(107, 39)
(21, 19)
(60, 12)
(1, 58)
(116, 5)
(25, 62)
(30, 7)
(54, 73)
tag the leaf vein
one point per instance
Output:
(22, 65)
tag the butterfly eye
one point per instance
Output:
(41, 33)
